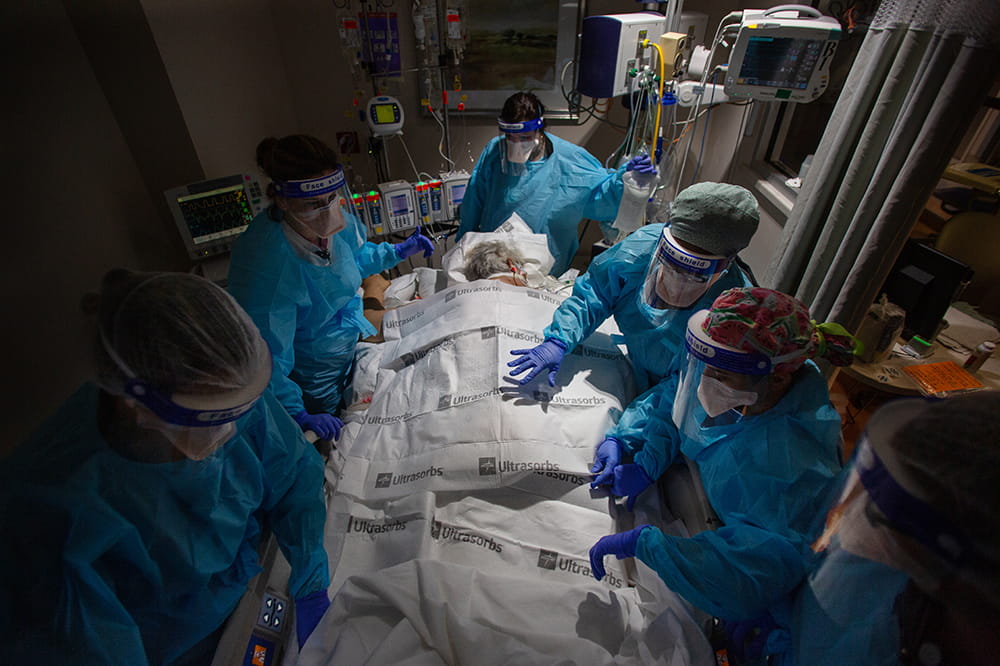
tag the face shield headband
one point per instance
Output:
(701, 266)
(704, 348)
(211, 410)
(520, 127)
(313, 187)
(907, 513)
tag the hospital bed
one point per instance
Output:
(460, 514)
(459, 509)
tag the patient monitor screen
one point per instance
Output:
(216, 214)
(779, 62)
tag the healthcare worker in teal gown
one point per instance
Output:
(753, 415)
(652, 281)
(549, 182)
(910, 569)
(132, 517)
(297, 269)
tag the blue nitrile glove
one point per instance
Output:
(748, 638)
(308, 612)
(549, 355)
(630, 481)
(609, 455)
(620, 545)
(326, 426)
(414, 244)
(641, 163)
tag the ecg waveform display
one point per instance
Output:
(216, 214)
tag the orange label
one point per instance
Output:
(259, 655)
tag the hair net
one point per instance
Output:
(178, 332)
(948, 455)
(716, 217)
(754, 319)
(490, 258)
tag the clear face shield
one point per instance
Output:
(716, 384)
(521, 143)
(677, 276)
(195, 424)
(317, 206)
(880, 519)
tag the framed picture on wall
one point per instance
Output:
(514, 45)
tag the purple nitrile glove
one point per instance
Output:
(326, 426)
(609, 455)
(414, 244)
(549, 355)
(308, 612)
(620, 545)
(630, 481)
(641, 163)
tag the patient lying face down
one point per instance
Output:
(496, 260)
(487, 260)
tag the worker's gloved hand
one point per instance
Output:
(414, 244)
(308, 612)
(620, 545)
(747, 639)
(326, 426)
(609, 455)
(641, 163)
(630, 481)
(549, 355)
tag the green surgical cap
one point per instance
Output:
(717, 217)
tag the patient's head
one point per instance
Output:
(495, 259)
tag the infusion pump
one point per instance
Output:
(399, 205)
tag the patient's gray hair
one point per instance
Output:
(490, 258)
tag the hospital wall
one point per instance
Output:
(115, 101)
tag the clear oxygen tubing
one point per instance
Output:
(638, 187)
(728, 20)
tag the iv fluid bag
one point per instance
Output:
(635, 194)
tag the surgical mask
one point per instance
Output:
(301, 197)
(323, 222)
(519, 151)
(717, 397)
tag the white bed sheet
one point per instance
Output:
(461, 518)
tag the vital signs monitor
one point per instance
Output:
(780, 58)
(210, 214)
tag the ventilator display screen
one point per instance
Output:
(216, 213)
(779, 62)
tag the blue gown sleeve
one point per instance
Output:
(295, 501)
(646, 428)
(595, 294)
(73, 615)
(736, 572)
(277, 327)
(475, 192)
(371, 257)
(607, 194)
(376, 257)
